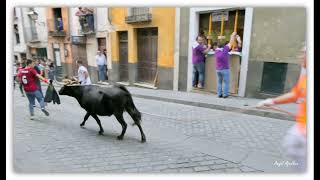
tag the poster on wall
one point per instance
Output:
(216, 16)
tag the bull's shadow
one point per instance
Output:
(104, 101)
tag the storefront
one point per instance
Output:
(221, 22)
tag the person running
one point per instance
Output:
(40, 72)
(19, 68)
(28, 77)
(295, 142)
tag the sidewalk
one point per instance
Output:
(211, 101)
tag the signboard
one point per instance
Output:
(216, 16)
(78, 40)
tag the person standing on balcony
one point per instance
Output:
(101, 64)
(59, 24)
(81, 14)
(89, 18)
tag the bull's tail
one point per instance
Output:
(130, 107)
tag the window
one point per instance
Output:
(42, 53)
(58, 19)
(138, 11)
(14, 13)
(16, 32)
(273, 77)
(233, 21)
(86, 20)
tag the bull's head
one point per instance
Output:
(67, 86)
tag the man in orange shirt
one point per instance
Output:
(295, 142)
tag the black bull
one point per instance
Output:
(105, 101)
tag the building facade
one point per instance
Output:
(271, 38)
(59, 41)
(143, 46)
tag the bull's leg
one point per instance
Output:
(123, 124)
(143, 137)
(99, 123)
(85, 119)
(137, 122)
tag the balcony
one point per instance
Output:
(56, 28)
(87, 24)
(57, 33)
(138, 18)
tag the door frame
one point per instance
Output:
(194, 31)
(156, 62)
(127, 64)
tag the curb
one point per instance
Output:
(220, 107)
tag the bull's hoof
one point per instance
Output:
(82, 124)
(119, 137)
(100, 132)
(143, 140)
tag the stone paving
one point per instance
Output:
(180, 139)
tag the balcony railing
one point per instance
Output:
(138, 18)
(57, 33)
(87, 24)
(56, 28)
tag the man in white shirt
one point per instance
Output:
(101, 64)
(83, 75)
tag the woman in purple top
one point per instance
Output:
(222, 68)
(199, 49)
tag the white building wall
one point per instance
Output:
(41, 25)
(21, 47)
(74, 22)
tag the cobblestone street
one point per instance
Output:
(180, 138)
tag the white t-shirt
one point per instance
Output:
(82, 77)
(101, 60)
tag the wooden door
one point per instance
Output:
(79, 52)
(147, 54)
(123, 55)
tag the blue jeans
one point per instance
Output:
(102, 72)
(39, 87)
(198, 73)
(223, 75)
(31, 97)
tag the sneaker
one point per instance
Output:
(220, 96)
(34, 105)
(45, 112)
(31, 117)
